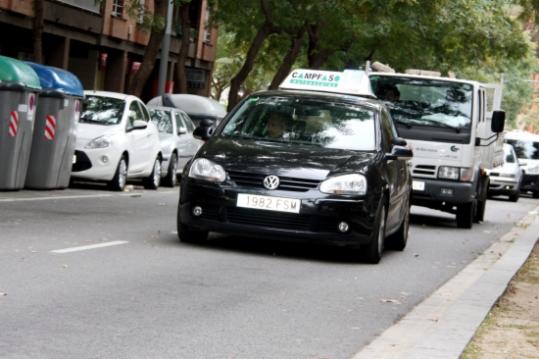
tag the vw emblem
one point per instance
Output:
(271, 182)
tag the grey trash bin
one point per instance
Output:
(57, 116)
(19, 86)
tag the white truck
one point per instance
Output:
(455, 129)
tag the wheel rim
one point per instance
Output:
(381, 231)
(156, 173)
(122, 174)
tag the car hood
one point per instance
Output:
(86, 132)
(283, 159)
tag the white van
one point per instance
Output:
(454, 128)
(526, 146)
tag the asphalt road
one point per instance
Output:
(153, 297)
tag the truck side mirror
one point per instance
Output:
(399, 141)
(498, 121)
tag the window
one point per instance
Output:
(141, 11)
(117, 8)
(162, 119)
(179, 123)
(207, 28)
(102, 110)
(135, 114)
(388, 131)
(188, 123)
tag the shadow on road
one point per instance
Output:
(432, 221)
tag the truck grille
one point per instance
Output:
(424, 171)
(286, 183)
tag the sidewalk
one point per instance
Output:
(511, 329)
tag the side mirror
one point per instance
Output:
(498, 121)
(203, 132)
(139, 125)
(182, 130)
(399, 141)
(400, 153)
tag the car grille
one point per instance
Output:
(494, 174)
(82, 163)
(424, 171)
(267, 219)
(285, 183)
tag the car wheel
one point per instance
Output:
(120, 177)
(154, 179)
(171, 178)
(535, 194)
(465, 215)
(513, 197)
(372, 252)
(187, 234)
(397, 241)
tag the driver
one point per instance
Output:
(276, 125)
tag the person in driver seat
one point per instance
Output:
(276, 125)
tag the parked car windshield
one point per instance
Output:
(162, 120)
(526, 150)
(304, 120)
(426, 102)
(102, 110)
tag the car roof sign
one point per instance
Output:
(348, 82)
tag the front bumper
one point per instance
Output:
(317, 221)
(502, 185)
(440, 191)
(530, 183)
(95, 164)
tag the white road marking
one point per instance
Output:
(91, 246)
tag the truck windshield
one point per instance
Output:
(525, 149)
(427, 109)
(304, 120)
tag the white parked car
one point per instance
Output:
(506, 179)
(116, 141)
(178, 145)
(197, 107)
(526, 146)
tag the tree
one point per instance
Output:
(185, 23)
(38, 23)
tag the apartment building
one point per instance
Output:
(103, 43)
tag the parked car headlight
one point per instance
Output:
(205, 169)
(99, 142)
(352, 184)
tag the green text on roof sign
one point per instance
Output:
(316, 76)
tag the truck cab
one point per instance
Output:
(454, 129)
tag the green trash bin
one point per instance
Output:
(57, 117)
(19, 87)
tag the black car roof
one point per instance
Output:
(359, 100)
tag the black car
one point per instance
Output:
(301, 165)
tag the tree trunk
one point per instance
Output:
(289, 60)
(181, 73)
(315, 55)
(39, 8)
(233, 97)
(138, 81)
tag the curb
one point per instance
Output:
(442, 325)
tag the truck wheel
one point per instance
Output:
(171, 179)
(372, 252)
(397, 241)
(479, 215)
(465, 215)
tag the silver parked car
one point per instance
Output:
(506, 179)
(178, 145)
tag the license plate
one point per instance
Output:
(277, 204)
(74, 160)
(418, 185)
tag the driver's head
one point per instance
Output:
(276, 125)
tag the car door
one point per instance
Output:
(394, 173)
(137, 140)
(183, 142)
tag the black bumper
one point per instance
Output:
(439, 191)
(530, 183)
(317, 221)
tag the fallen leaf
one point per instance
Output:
(392, 301)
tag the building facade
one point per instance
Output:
(103, 42)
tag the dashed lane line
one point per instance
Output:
(88, 247)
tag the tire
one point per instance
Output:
(513, 197)
(535, 194)
(465, 215)
(481, 203)
(154, 179)
(187, 234)
(372, 252)
(171, 179)
(397, 241)
(120, 176)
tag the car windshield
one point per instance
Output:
(304, 120)
(509, 157)
(102, 110)
(525, 149)
(426, 105)
(162, 120)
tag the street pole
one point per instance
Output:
(165, 49)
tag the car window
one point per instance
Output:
(188, 123)
(388, 131)
(162, 120)
(304, 120)
(145, 114)
(135, 114)
(102, 110)
(509, 156)
(179, 122)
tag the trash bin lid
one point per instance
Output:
(58, 80)
(16, 72)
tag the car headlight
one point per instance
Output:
(202, 168)
(99, 142)
(352, 184)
